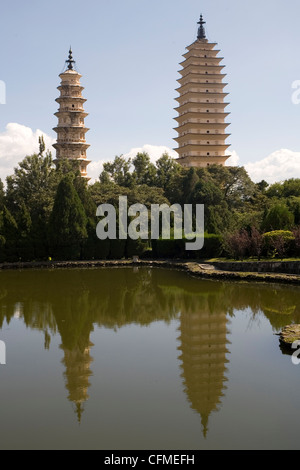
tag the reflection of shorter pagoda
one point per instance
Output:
(203, 347)
(77, 374)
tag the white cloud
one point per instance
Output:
(16, 142)
(279, 166)
(233, 160)
(94, 169)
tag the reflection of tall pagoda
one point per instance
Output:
(203, 356)
(77, 374)
(201, 121)
(71, 130)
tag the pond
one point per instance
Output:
(140, 358)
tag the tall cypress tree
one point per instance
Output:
(2, 195)
(9, 228)
(25, 241)
(89, 249)
(68, 222)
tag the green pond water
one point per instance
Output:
(128, 358)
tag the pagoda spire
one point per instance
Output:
(201, 29)
(70, 60)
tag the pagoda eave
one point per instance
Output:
(203, 136)
(72, 111)
(72, 145)
(194, 104)
(200, 125)
(64, 99)
(202, 41)
(201, 94)
(201, 148)
(189, 84)
(67, 129)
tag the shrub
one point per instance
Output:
(278, 243)
(238, 244)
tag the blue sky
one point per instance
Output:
(129, 51)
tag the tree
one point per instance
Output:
(190, 181)
(42, 146)
(144, 170)
(262, 186)
(107, 193)
(291, 187)
(2, 195)
(119, 171)
(34, 183)
(275, 191)
(278, 217)
(216, 213)
(166, 169)
(84, 193)
(10, 234)
(234, 182)
(256, 242)
(293, 204)
(68, 221)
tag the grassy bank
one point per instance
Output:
(192, 268)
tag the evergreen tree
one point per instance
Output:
(42, 146)
(166, 169)
(91, 242)
(25, 242)
(119, 171)
(144, 170)
(2, 195)
(9, 232)
(190, 181)
(68, 222)
(34, 183)
(278, 217)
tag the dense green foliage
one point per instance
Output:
(49, 211)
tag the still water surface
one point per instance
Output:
(145, 359)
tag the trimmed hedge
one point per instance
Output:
(176, 248)
(279, 243)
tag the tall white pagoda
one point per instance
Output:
(201, 121)
(71, 130)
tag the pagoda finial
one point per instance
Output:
(201, 30)
(70, 60)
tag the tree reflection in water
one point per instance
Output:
(72, 302)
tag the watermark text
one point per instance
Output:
(136, 222)
(2, 92)
(2, 353)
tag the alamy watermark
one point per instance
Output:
(2, 92)
(296, 93)
(296, 354)
(135, 222)
(2, 353)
